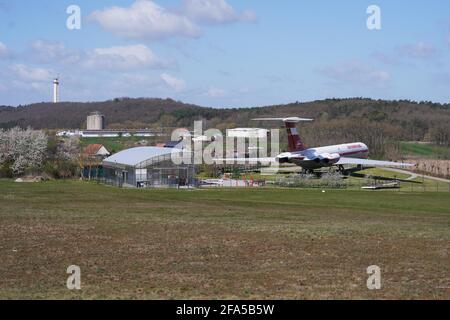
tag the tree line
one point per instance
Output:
(379, 123)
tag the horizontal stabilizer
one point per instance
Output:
(291, 119)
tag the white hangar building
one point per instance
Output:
(147, 167)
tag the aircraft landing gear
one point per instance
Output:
(307, 171)
(343, 171)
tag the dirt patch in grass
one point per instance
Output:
(196, 246)
(181, 260)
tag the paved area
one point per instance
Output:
(415, 175)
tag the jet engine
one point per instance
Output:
(289, 158)
(282, 160)
(328, 158)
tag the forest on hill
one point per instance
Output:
(381, 124)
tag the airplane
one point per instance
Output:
(311, 159)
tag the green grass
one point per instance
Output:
(425, 150)
(120, 143)
(380, 172)
(418, 184)
(358, 179)
(221, 243)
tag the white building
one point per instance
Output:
(95, 121)
(247, 133)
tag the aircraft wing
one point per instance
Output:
(372, 163)
(245, 160)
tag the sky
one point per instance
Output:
(224, 53)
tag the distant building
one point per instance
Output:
(69, 133)
(247, 133)
(251, 145)
(111, 133)
(96, 150)
(95, 121)
(91, 160)
(121, 133)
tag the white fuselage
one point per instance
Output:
(314, 158)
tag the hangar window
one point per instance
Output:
(141, 174)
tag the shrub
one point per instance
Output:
(328, 180)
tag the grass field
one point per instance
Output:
(419, 184)
(222, 243)
(358, 179)
(423, 150)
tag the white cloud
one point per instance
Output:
(55, 52)
(356, 72)
(112, 58)
(215, 92)
(215, 11)
(173, 82)
(419, 50)
(123, 58)
(25, 73)
(386, 59)
(4, 51)
(40, 86)
(409, 52)
(145, 20)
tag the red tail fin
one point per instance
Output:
(295, 143)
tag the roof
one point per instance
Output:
(172, 144)
(92, 149)
(134, 156)
(96, 113)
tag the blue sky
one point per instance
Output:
(224, 53)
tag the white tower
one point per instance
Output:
(56, 90)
